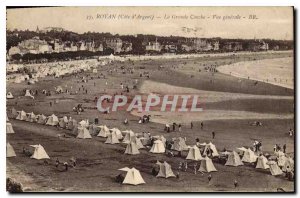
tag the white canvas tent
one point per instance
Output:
(179, 144)
(194, 154)
(10, 152)
(112, 138)
(158, 147)
(129, 136)
(132, 149)
(39, 152)
(41, 119)
(9, 128)
(52, 120)
(72, 124)
(83, 133)
(159, 137)
(207, 165)
(104, 131)
(133, 176)
(117, 132)
(249, 156)
(165, 170)
(31, 117)
(262, 162)
(274, 168)
(21, 115)
(242, 150)
(234, 160)
(9, 95)
(84, 123)
(212, 147)
(63, 122)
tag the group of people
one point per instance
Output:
(174, 125)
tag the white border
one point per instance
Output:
(4, 3)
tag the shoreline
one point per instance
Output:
(229, 70)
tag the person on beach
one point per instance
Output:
(195, 168)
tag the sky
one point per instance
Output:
(204, 22)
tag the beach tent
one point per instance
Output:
(242, 150)
(160, 137)
(249, 156)
(31, 117)
(21, 115)
(27, 93)
(72, 124)
(274, 168)
(129, 136)
(262, 162)
(133, 176)
(9, 128)
(83, 133)
(95, 71)
(158, 147)
(234, 160)
(84, 123)
(132, 149)
(104, 131)
(118, 133)
(165, 170)
(212, 147)
(179, 144)
(41, 119)
(207, 165)
(9, 95)
(288, 165)
(63, 122)
(39, 152)
(52, 120)
(194, 154)
(112, 138)
(10, 152)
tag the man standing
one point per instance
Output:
(179, 127)
(284, 148)
(213, 135)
